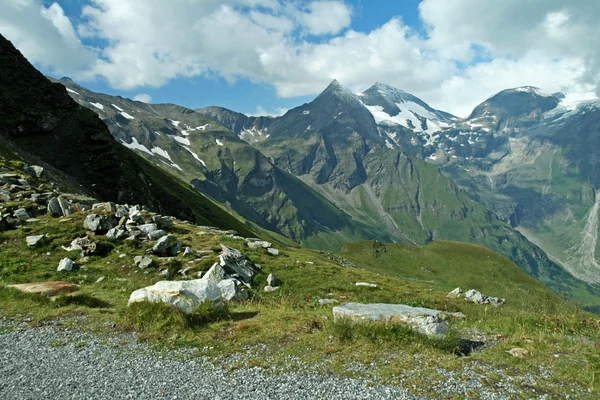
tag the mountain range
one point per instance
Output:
(381, 164)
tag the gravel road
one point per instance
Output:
(51, 362)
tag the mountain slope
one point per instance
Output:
(41, 124)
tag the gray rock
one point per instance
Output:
(134, 215)
(65, 207)
(496, 301)
(425, 320)
(115, 234)
(455, 293)
(366, 284)
(23, 182)
(216, 273)
(35, 170)
(66, 264)
(99, 223)
(234, 262)
(54, 207)
(148, 228)
(162, 222)
(167, 245)
(143, 262)
(270, 289)
(325, 302)
(475, 296)
(232, 290)
(21, 214)
(36, 240)
(101, 279)
(272, 251)
(7, 178)
(5, 195)
(122, 211)
(189, 252)
(187, 296)
(157, 234)
(273, 281)
(257, 244)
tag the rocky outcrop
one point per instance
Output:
(234, 262)
(475, 296)
(99, 223)
(187, 296)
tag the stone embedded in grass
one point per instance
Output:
(324, 302)
(270, 289)
(99, 223)
(187, 296)
(65, 206)
(189, 252)
(54, 207)
(66, 264)
(272, 251)
(115, 234)
(258, 244)
(231, 289)
(156, 234)
(518, 352)
(49, 289)
(234, 262)
(167, 245)
(21, 214)
(455, 293)
(216, 273)
(273, 281)
(143, 262)
(425, 320)
(5, 195)
(475, 296)
(36, 240)
(366, 284)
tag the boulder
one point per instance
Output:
(216, 273)
(272, 251)
(143, 262)
(424, 320)
(122, 211)
(167, 245)
(66, 264)
(258, 244)
(187, 296)
(65, 206)
(36, 240)
(455, 293)
(234, 262)
(99, 223)
(54, 207)
(86, 244)
(115, 234)
(475, 296)
(232, 290)
(366, 284)
(49, 289)
(5, 195)
(162, 222)
(273, 281)
(21, 214)
(157, 234)
(148, 228)
(189, 252)
(35, 170)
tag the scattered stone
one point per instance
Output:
(185, 295)
(99, 223)
(21, 214)
(65, 207)
(148, 228)
(162, 222)
(101, 279)
(189, 252)
(273, 281)
(270, 289)
(425, 320)
(143, 262)
(5, 195)
(518, 352)
(258, 244)
(366, 284)
(157, 234)
(84, 260)
(232, 290)
(167, 245)
(234, 262)
(35, 170)
(54, 207)
(36, 240)
(23, 182)
(216, 273)
(456, 293)
(115, 234)
(49, 289)
(477, 297)
(325, 302)
(32, 220)
(272, 251)
(66, 264)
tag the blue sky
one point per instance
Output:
(266, 56)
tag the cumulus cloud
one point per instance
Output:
(470, 49)
(143, 97)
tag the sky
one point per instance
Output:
(262, 57)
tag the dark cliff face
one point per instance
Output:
(40, 122)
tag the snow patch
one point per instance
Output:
(175, 123)
(117, 107)
(72, 91)
(305, 112)
(219, 142)
(97, 105)
(172, 165)
(195, 156)
(124, 114)
(161, 152)
(135, 145)
(181, 140)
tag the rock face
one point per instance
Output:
(184, 295)
(36, 240)
(49, 289)
(234, 262)
(477, 297)
(66, 264)
(99, 223)
(425, 320)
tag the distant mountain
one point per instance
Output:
(249, 129)
(42, 125)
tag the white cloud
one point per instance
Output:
(263, 112)
(325, 17)
(143, 97)
(472, 49)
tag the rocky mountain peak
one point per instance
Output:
(521, 102)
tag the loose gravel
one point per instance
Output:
(51, 362)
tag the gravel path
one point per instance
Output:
(50, 362)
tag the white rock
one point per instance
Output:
(66, 264)
(185, 295)
(366, 284)
(257, 244)
(216, 273)
(269, 289)
(33, 241)
(272, 251)
(455, 293)
(231, 290)
(272, 280)
(424, 320)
